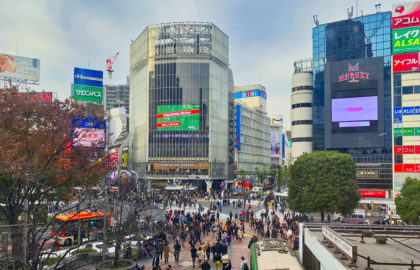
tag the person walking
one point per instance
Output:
(205, 265)
(244, 265)
(227, 266)
(177, 250)
(193, 255)
(155, 263)
(166, 250)
(200, 256)
(208, 250)
(240, 235)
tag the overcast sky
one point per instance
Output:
(265, 37)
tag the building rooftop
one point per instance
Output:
(402, 245)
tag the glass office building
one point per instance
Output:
(338, 48)
(181, 104)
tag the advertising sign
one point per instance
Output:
(367, 173)
(398, 132)
(125, 159)
(372, 194)
(283, 145)
(408, 131)
(397, 111)
(275, 144)
(178, 117)
(405, 62)
(89, 137)
(406, 40)
(87, 93)
(253, 93)
(397, 119)
(354, 109)
(353, 74)
(349, 250)
(19, 68)
(88, 77)
(405, 15)
(238, 126)
(408, 110)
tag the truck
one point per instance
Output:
(257, 192)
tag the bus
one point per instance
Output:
(273, 254)
(66, 226)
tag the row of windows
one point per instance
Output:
(301, 105)
(305, 87)
(308, 139)
(302, 122)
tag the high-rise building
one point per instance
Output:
(406, 92)
(301, 114)
(252, 139)
(117, 96)
(352, 97)
(181, 105)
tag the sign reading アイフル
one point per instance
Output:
(88, 85)
(406, 40)
(405, 62)
(19, 68)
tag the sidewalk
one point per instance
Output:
(235, 251)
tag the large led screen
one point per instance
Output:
(178, 117)
(354, 109)
(89, 137)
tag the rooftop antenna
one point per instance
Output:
(378, 8)
(350, 12)
(316, 20)
(361, 11)
(357, 8)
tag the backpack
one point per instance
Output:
(246, 266)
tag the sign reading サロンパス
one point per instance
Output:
(406, 15)
(405, 62)
(88, 85)
(406, 40)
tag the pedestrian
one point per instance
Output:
(193, 255)
(200, 256)
(240, 235)
(225, 259)
(155, 263)
(166, 251)
(227, 266)
(217, 258)
(177, 250)
(205, 265)
(208, 250)
(244, 265)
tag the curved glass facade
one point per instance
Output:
(181, 100)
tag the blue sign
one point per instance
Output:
(397, 111)
(283, 146)
(253, 93)
(89, 122)
(238, 126)
(397, 118)
(417, 110)
(88, 77)
(408, 110)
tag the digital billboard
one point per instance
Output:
(252, 93)
(275, 144)
(19, 68)
(354, 103)
(354, 109)
(89, 137)
(88, 85)
(178, 117)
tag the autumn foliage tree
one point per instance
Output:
(38, 165)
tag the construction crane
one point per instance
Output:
(109, 64)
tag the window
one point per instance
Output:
(309, 139)
(301, 105)
(417, 89)
(407, 90)
(305, 87)
(302, 122)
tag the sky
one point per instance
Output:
(265, 36)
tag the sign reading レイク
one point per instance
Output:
(406, 40)
(405, 62)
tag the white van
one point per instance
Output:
(257, 192)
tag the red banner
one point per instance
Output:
(405, 62)
(372, 194)
(169, 124)
(409, 167)
(398, 168)
(398, 150)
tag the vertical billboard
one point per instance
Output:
(406, 40)
(178, 117)
(238, 126)
(89, 132)
(405, 15)
(275, 144)
(19, 68)
(405, 62)
(88, 85)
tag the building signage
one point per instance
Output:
(372, 194)
(252, 93)
(88, 85)
(340, 243)
(19, 68)
(408, 131)
(417, 110)
(405, 15)
(283, 145)
(353, 74)
(367, 173)
(408, 110)
(405, 62)
(406, 40)
(238, 126)
(125, 159)
(397, 119)
(397, 111)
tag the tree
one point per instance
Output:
(408, 202)
(38, 165)
(323, 181)
(282, 175)
(258, 174)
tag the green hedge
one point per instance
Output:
(83, 250)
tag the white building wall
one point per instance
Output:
(117, 122)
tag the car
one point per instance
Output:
(237, 192)
(355, 218)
